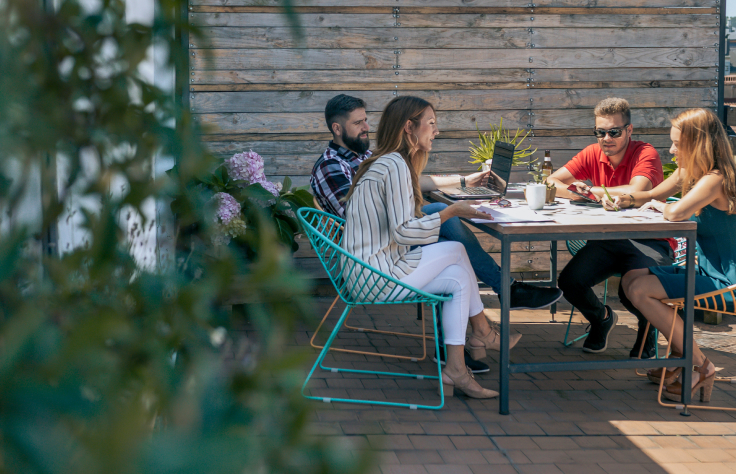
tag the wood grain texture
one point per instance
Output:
(559, 58)
(224, 123)
(224, 59)
(466, 3)
(446, 134)
(384, 18)
(452, 38)
(314, 101)
(451, 78)
(317, 147)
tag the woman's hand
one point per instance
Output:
(465, 210)
(654, 204)
(477, 179)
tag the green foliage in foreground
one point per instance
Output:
(106, 367)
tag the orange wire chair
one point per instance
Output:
(713, 301)
(420, 315)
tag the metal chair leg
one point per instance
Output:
(326, 349)
(567, 331)
(423, 336)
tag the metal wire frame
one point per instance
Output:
(420, 309)
(357, 283)
(701, 302)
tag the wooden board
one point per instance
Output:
(451, 38)
(314, 101)
(224, 59)
(457, 20)
(316, 147)
(462, 3)
(462, 120)
(447, 78)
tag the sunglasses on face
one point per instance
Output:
(613, 132)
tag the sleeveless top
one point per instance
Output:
(716, 245)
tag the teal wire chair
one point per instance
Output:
(357, 283)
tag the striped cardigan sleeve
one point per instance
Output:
(404, 227)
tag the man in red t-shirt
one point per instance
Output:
(623, 166)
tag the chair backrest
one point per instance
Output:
(574, 246)
(355, 281)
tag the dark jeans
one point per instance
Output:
(600, 259)
(486, 269)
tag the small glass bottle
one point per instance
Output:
(547, 165)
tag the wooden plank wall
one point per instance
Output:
(539, 64)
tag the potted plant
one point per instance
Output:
(537, 177)
(487, 143)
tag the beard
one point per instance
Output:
(357, 144)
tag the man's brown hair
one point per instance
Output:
(613, 106)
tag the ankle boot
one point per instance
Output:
(465, 382)
(477, 345)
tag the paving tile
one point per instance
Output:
(401, 427)
(723, 442)
(707, 428)
(538, 469)
(672, 428)
(475, 429)
(497, 457)
(404, 469)
(629, 427)
(463, 456)
(554, 442)
(472, 442)
(538, 456)
(711, 455)
(678, 442)
(492, 469)
(560, 428)
(429, 456)
(580, 468)
(627, 456)
(442, 428)
(431, 442)
(389, 442)
(670, 455)
(361, 427)
(448, 469)
(597, 428)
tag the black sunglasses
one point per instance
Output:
(613, 133)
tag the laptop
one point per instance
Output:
(503, 157)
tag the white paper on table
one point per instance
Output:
(511, 214)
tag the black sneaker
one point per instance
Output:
(476, 366)
(650, 345)
(526, 296)
(597, 340)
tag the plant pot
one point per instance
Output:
(551, 193)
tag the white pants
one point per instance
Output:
(445, 269)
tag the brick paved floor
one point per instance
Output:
(562, 422)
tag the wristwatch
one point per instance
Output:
(462, 181)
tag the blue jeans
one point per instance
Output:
(485, 268)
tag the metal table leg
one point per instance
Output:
(687, 334)
(503, 405)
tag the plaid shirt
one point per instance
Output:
(332, 176)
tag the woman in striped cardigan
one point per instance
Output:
(386, 228)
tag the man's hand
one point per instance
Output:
(582, 187)
(477, 179)
(611, 206)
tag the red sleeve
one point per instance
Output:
(580, 165)
(646, 163)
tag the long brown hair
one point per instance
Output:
(704, 147)
(391, 137)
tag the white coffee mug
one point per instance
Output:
(536, 194)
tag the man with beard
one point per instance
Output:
(332, 176)
(623, 166)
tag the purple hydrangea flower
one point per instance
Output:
(272, 188)
(246, 166)
(227, 207)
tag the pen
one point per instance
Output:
(609, 197)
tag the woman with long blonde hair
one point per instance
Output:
(706, 176)
(386, 228)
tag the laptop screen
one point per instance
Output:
(503, 157)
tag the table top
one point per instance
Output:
(569, 219)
